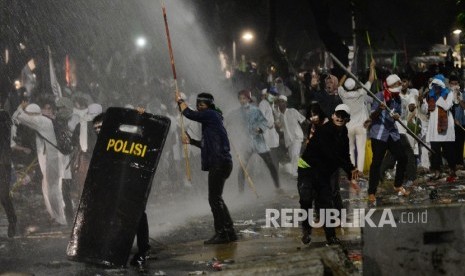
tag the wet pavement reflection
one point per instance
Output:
(178, 249)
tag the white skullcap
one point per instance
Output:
(391, 79)
(349, 84)
(282, 97)
(412, 100)
(33, 108)
(264, 91)
(94, 109)
(343, 107)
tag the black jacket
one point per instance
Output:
(214, 145)
(329, 149)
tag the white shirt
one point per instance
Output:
(271, 135)
(291, 120)
(432, 134)
(357, 102)
(405, 100)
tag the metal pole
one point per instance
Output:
(379, 101)
(173, 68)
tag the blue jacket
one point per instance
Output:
(214, 145)
(384, 126)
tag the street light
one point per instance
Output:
(246, 36)
(141, 42)
(458, 49)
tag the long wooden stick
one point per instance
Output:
(409, 131)
(173, 68)
(247, 176)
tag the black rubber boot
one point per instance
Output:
(11, 229)
(219, 238)
(306, 236)
(231, 234)
(66, 191)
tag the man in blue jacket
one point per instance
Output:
(216, 159)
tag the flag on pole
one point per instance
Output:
(56, 89)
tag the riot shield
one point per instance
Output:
(117, 186)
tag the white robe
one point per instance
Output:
(49, 162)
(432, 134)
(271, 135)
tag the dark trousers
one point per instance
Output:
(442, 149)
(274, 152)
(5, 199)
(143, 235)
(411, 168)
(266, 156)
(458, 145)
(216, 178)
(379, 149)
(315, 187)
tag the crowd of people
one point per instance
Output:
(308, 128)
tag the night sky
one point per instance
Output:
(87, 25)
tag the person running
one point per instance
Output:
(215, 158)
(326, 151)
(249, 121)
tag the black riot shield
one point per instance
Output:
(117, 186)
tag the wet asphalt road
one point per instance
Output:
(179, 222)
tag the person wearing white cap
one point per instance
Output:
(289, 121)
(440, 133)
(48, 157)
(407, 97)
(385, 136)
(326, 152)
(356, 99)
(64, 120)
(84, 139)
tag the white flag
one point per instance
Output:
(56, 89)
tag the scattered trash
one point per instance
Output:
(249, 232)
(197, 272)
(160, 273)
(418, 188)
(461, 200)
(244, 222)
(433, 195)
(198, 262)
(445, 200)
(229, 261)
(215, 264)
(355, 256)
(394, 197)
